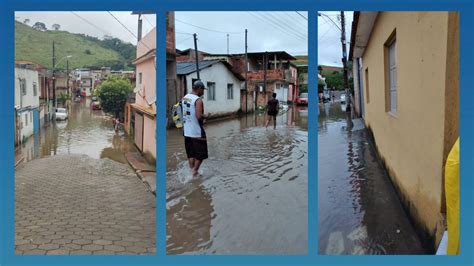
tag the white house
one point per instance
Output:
(223, 85)
(26, 102)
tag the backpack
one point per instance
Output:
(177, 115)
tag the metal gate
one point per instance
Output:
(139, 130)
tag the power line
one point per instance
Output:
(148, 21)
(203, 28)
(179, 32)
(283, 24)
(303, 26)
(301, 15)
(282, 29)
(133, 34)
(90, 23)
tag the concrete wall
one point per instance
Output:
(411, 142)
(149, 137)
(221, 75)
(31, 76)
(148, 92)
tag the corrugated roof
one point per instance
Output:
(186, 68)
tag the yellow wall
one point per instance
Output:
(412, 141)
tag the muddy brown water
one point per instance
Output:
(86, 131)
(358, 209)
(251, 196)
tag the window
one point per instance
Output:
(230, 91)
(366, 76)
(23, 87)
(140, 78)
(391, 74)
(211, 94)
(35, 89)
(26, 119)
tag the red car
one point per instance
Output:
(95, 105)
(303, 99)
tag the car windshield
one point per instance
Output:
(303, 95)
(63, 111)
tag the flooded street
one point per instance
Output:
(86, 131)
(251, 197)
(358, 209)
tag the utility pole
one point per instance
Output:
(54, 81)
(196, 55)
(67, 78)
(227, 43)
(265, 73)
(344, 62)
(246, 71)
(140, 26)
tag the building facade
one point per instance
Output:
(141, 115)
(222, 97)
(406, 78)
(27, 118)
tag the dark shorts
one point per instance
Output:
(196, 148)
(272, 113)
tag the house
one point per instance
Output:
(406, 83)
(223, 84)
(268, 72)
(46, 93)
(140, 115)
(84, 81)
(26, 102)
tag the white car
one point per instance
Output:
(61, 114)
(343, 98)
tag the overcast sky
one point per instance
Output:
(98, 23)
(329, 38)
(267, 31)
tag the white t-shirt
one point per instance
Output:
(192, 127)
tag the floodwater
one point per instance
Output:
(251, 196)
(86, 131)
(358, 209)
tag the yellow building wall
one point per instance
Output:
(411, 142)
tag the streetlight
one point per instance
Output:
(54, 77)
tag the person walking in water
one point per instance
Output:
(272, 110)
(195, 140)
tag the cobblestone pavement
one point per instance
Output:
(73, 204)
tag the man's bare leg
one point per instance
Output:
(191, 163)
(268, 121)
(274, 122)
(197, 164)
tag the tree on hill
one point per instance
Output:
(40, 26)
(26, 21)
(113, 95)
(56, 26)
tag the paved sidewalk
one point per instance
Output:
(73, 204)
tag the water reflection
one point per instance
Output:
(358, 209)
(252, 195)
(86, 131)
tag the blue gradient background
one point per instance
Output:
(7, 9)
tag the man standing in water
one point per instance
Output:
(195, 140)
(272, 110)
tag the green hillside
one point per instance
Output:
(34, 45)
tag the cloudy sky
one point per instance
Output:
(95, 24)
(329, 38)
(267, 31)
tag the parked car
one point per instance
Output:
(95, 105)
(61, 114)
(303, 99)
(94, 98)
(343, 98)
